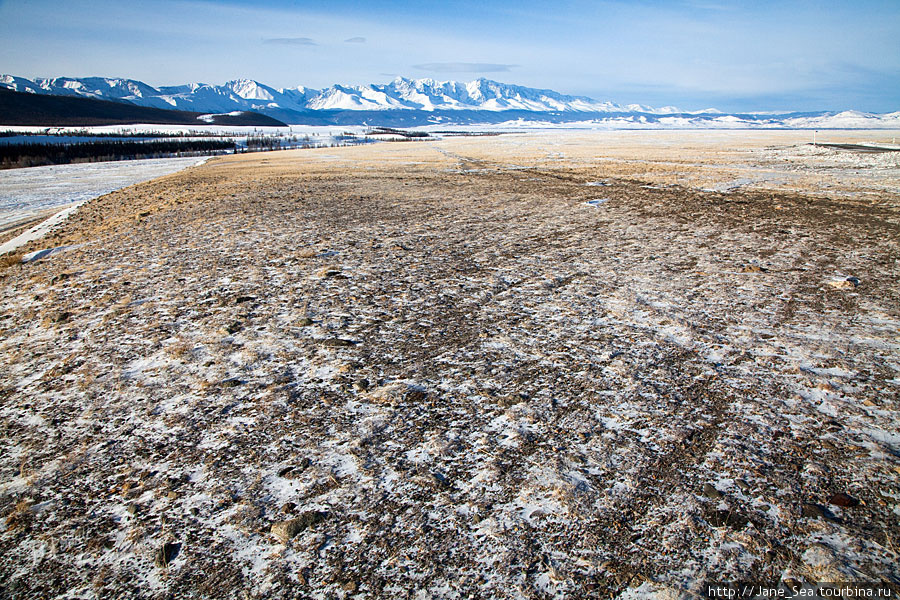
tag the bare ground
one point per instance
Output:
(434, 370)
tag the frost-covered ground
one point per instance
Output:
(26, 193)
(517, 367)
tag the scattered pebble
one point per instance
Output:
(338, 342)
(848, 283)
(753, 269)
(711, 492)
(816, 511)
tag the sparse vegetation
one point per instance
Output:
(380, 371)
(8, 260)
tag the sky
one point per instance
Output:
(752, 55)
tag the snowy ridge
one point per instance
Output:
(415, 102)
(401, 93)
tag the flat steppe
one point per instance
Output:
(555, 364)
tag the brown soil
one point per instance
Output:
(478, 384)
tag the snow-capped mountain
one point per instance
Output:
(401, 93)
(410, 102)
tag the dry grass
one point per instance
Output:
(8, 260)
(486, 383)
(180, 348)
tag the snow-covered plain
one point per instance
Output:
(27, 193)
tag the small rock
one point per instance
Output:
(745, 487)
(132, 509)
(304, 322)
(233, 328)
(815, 511)
(338, 343)
(294, 471)
(284, 531)
(727, 518)
(843, 500)
(288, 507)
(349, 586)
(230, 382)
(843, 284)
(711, 492)
(362, 385)
(415, 393)
(165, 554)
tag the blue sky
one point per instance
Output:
(753, 55)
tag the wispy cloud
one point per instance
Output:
(355, 40)
(291, 41)
(461, 67)
(713, 6)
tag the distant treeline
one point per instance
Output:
(400, 132)
(70, 132)
(34, 155)
(263, 143)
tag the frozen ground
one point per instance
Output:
(27, 193)
(538, 366)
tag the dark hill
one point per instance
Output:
(20, 108)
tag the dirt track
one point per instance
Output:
(436, 370)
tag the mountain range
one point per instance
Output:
(399, 94)
(408, 102)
